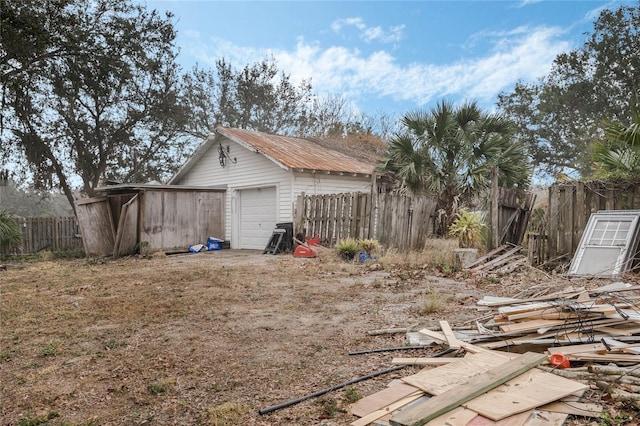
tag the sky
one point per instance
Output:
(388, 56)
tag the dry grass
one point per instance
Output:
(205, 339)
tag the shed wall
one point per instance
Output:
(176, 220)
(254, 170)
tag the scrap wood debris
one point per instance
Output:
(576, 339)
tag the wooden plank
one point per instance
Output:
(488, 256)
(375, 415)
(474, 387)
(576, 349)
(498, 260)
(525, 392)
(584, 409)
(422, 361)
(439, 380)
(464, 345)
(381, 399)
(452, 342)
(530, 325)
(607, 357)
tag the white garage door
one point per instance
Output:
(258, 216)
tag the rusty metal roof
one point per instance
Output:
(297, 153)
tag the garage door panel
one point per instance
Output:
(258, 217)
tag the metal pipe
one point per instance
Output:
(330, 389)
(341, 385)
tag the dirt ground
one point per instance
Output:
(212, 338)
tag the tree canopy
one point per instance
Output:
(566, 111)
(618, 155)
(449, 152)
(89, 91)
(256, 97)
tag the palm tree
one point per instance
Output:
(618, 156)
(449, 151)
(9, 230)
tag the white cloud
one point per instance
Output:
(368, 34)
(523, 53)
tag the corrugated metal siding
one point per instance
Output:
(297, 153)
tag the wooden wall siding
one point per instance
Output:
(175, 219)
(398, 221)
(97, 227)
(47, 233)
(571, 205)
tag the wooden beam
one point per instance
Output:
(464, 345)
(452, 341)
(422, 361)
(420, 414)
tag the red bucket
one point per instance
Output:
(559, 361)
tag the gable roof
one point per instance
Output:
(288, 152)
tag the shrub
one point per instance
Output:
(369, 245)
(467, 228)
(347, 248)
(10, 233)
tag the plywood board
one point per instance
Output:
(545, 418)
(456, 417)
(375, 415)
(519, 419)
(526, 392)
(438, 380)
(381, 399)
(458, 395)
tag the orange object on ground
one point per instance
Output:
(313, 241)
(559, 361)
(304, 251)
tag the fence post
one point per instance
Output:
(494, 229)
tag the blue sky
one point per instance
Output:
(388, 56)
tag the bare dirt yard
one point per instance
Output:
(212, 338)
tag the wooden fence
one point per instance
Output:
(334, 217)
(395, 220)
(511, 218)
(47, 233)
(571, 205)
(401, 221)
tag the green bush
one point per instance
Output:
(10, 233)
(369, 245)
(467, 228)
(348, 248)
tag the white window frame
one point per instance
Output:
(626, 244)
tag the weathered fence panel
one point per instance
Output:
(334, 217)
(571, 205)
(47, 233)
(400, 221)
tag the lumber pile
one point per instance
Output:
(527, 362)
(607, 318)
(502, 260)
